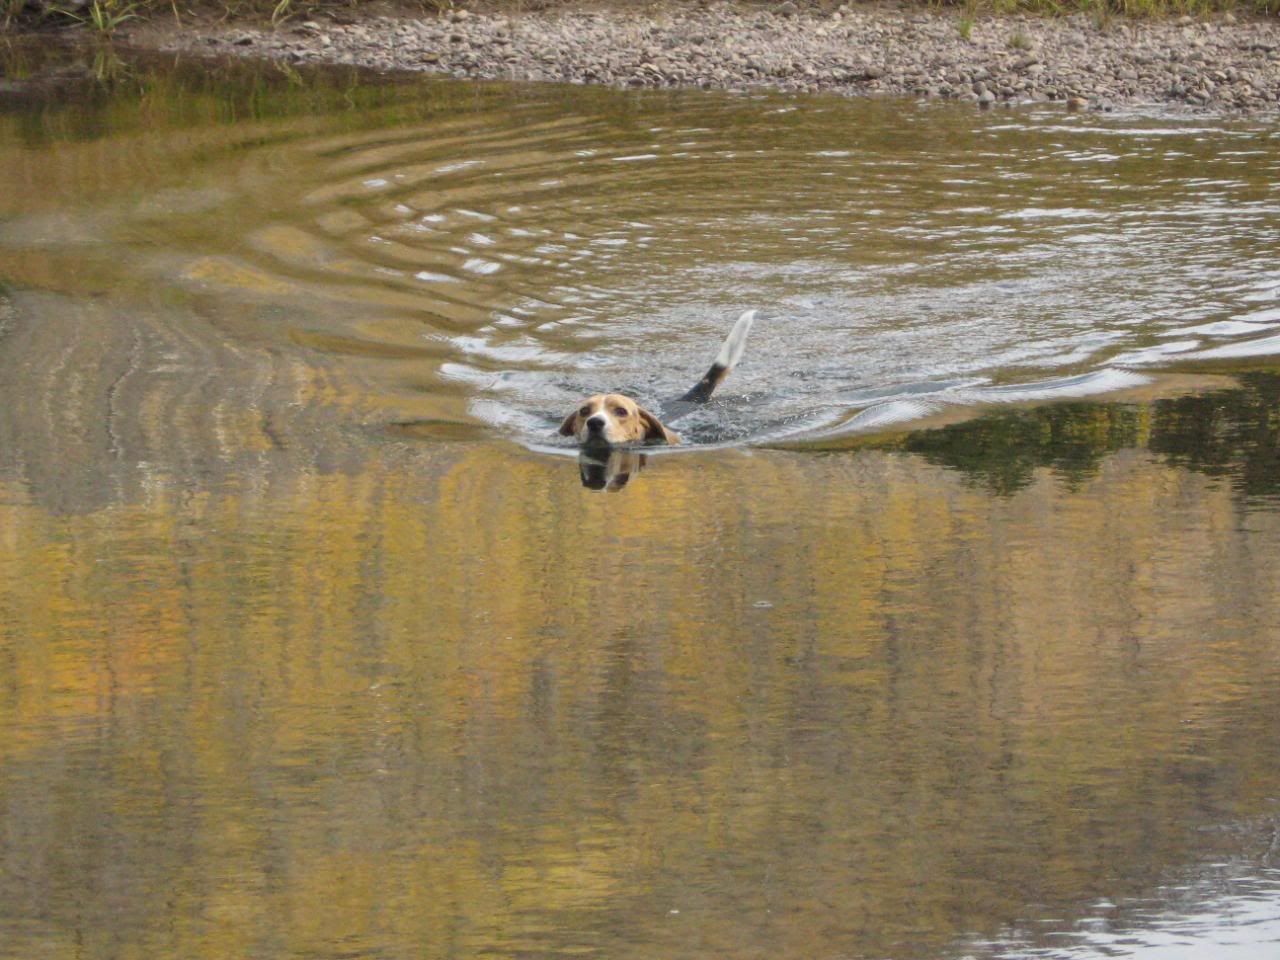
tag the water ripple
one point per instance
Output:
(543, 245)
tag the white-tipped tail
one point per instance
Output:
(728, 357)
(734, 344)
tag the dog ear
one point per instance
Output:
(570, 425)
(655, 430)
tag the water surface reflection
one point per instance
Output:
(305, 652)
(492, 712)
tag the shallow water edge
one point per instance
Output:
(1222, 64)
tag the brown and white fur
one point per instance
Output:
(614, 419)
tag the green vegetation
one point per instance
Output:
(104, 16)
(9, 11)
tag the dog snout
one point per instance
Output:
(595, 424)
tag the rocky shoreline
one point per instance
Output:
(1222, 65)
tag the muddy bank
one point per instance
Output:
(1224, 64)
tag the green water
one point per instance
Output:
(950, 632)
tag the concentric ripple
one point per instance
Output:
(538, 246)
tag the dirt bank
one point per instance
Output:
(1225, 64)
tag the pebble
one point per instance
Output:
(1227, 64)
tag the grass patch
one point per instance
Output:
(11, 12)
(105, 16)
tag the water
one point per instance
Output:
(950, 632)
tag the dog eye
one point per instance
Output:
(620, 411)
(584, 411)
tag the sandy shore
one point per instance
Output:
(1225, 64)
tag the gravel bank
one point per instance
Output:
(1220, 65)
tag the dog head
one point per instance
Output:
(612, 419)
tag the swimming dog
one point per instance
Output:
(614, 419)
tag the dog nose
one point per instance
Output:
(595, 424)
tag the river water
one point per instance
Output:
(949, 631)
